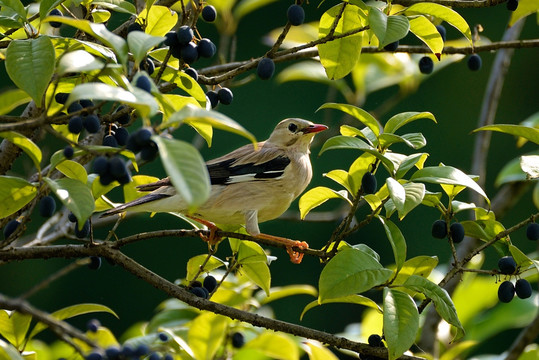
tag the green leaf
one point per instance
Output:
(259, 273)
(137, 98)
(194, 264)
(100, 16)
(192, 115)
(527, 132)
(399, 120)
(317, 351)
(351, 271)
(70, 312)
(445, 13)
(140, 43)
(397, 193)
(185, 83)
(27, 145)
(285, 291)
(207, 334)
(78, 61)
(413, 140)
(250, 252)
(317, 196)
(9, 352)
(525, 8)
(401, 322)
(30, 65)
(275, 346)
(341, 177)
(387, 29)
(347, 142)
(339, 56)
(159, 20)
(397, 241)
(75, 195)
(98, 31)
(512, 172)
(414, 195)
(363, 116)
(14, 194)
(46, 6)
(73, 170)
(425, 30)
(350, 299)
(441, 299)
(447, 175)
(409, 162)
(117, 5)
(14, 326)
(11, 99)
(15, 5)
(420, 265)
(187, 170)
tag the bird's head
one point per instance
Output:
(295, 132)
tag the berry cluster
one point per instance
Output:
(116, 136)
(83, 119)
(456, 231)
(205, 288)
(110, 169)
(141, 141)
(506, 291)
(223, 95)
(183, 45)
(84, 232)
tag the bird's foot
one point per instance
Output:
(212, 238)
(295, 256)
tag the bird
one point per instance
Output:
(249, 185)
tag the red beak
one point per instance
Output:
(314, 128)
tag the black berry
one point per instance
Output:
(474, 62)
(457, 232)
(523, 289)
(439, 229)
(225, 96)
(163, 336)
(74, 107)
(375, 340)
(94, 356)
(121, 135)
(213, 97)
(506, 291)
(91, 123)
(68, 152)
(47, 206)
(265, 68)
(142, 350)
(295, 14)
(85, 103)
(149, 152)
(10, 228)
(55, 12)
(142, 137)
(117, 167)
(238, 340)
(192, 73)
(507, 265)
(75, 124)
(110, 140)
(144, 83)
(147, 65)
(532, 231)
(512, 5)
(210, 283)
(84, 232)
(171, 39)
(443, 32)
(189, 53)
(100, 166)
(71, 217)
(200, 292)
(392, 46)
(206, 48)
(112, 352)
(209, 13)
(61, 97)
(184, 34)
(426, 65)
(368, 183)
(95, 263)
(93, 325)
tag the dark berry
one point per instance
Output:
(443, 32)
(95, 263)
(134, 27)
(55, 12)
(295, 14)
(209, 13)
(144, 83)
(71, 217)
(523, 289)
(75, 124)
(439, 229)
(265, 68)
(142, 137)
(213, 97)
(375, 340)
(10, 228)
(506, 291)
(507, 265)
(93, 325)
(85, 103)
(189, 53)
(163, 336)
(184, 34)
(110, 140)
(74, 107)
(426, 65)
(142, 350)
(392, 46)
(121, 135)
(210, 283)
(368, 183)
(192, 73)
(532, 231)
(171, 39)
(106, 179)
(101, 165)
(84, 232)
(196, 283)
(47, 206)
(238, 340)
(200, 292)
(457, 232)
(154, 356)
(474, 62)
(61, 97)
(147, 65)
(112, 352)
(124, 118)
(149, 152)
(225, 96)
(168, 357)
(117, 167)
(91, 123)
(512, 5)
(176, 51)
(206, 48)
(94, 356)
(68, 152)
(128, 351)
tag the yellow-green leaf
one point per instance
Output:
(14, 326)
(14, 194)
(525, 8)
(73, 170)
(27, 145)
(194, 264)
(421, 27)
(11, 99)
(159, 20)
(317, 196)
(275, 346)
(259, 273)
(207, 334)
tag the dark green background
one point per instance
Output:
(453, 95)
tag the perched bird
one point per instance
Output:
(248, 185)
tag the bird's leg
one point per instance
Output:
(295, 256)
(212, 239)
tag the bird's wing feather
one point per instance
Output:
(228, 172)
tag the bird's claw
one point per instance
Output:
(295, 256)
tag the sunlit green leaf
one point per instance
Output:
(259, 273)
(78, 61)
(159, 20)
(530, 165)
(529, 133)
(525, 8)
(11, 99)
(397, 193)
(27, 145)
(401, 322)
(396, 239)
(363, 116)
(250, 252)
(275, 345)
(414, 194)
(409, 162)
(387, 29)
(318, 351)
(117, 5)
(140, 43)
(17, 6)
(9, 352)
(194, 264)
(340, 177)
(185, 83)
(425, 30)
(285, 291)
(207, 334)
(317, 196)
(419, 265)
(73, 170)
(399, 120)
(14, 194)
(14, 326)
(30, 65)
(75, 195)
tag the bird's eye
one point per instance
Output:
(293, 127)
